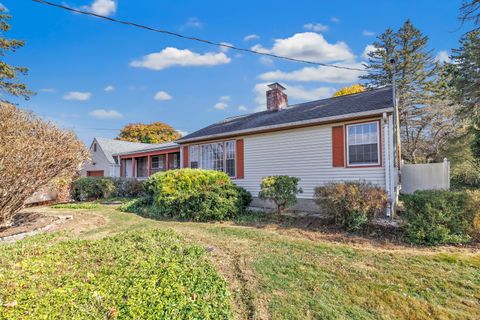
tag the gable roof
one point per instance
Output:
(112, 146)
(337, 108)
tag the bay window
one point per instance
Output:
(363, 144)
(218, 156)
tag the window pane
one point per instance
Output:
(230, 158)
(363, 144)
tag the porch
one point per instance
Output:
(143, 165)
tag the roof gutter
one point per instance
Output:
(288, 125)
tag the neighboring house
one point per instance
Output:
(337, 139)
(141, 163)
(104, 162)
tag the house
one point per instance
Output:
(104, 162)
(331, 140)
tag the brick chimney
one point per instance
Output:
(276, 98)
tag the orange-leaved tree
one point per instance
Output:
(156, 132)
(355, 88)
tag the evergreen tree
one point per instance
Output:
(414, 73)
(8, 74)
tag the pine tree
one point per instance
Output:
(414, 73)
(8, 74)
(467, 83)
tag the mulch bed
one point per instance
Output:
(25, 222)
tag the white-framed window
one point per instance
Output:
(220, 156)
(194, 156)
(363, 144)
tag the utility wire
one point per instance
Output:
(175, 34)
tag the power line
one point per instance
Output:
(209, 42)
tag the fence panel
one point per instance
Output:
(425, 176)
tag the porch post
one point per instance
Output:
(166, 162)
(133, 167)
(149, 165)
(121, 166)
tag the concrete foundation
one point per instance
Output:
(303, 205)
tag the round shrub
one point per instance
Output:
(282, 190)
(441, 217)
(91, 188)
(352, 204)
(193, 194)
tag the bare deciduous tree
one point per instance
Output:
(32, 153)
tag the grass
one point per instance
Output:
(140, 275)
(275, 272)
(76, 205)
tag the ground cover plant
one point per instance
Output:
(136, 275)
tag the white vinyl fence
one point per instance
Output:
(425, 176)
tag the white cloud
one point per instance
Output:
(225, 49)
(162, 96)
(369, 48)
(170, 56)
(317, 27)
(367, 33)
(193, 23)
(109, 88)
(106, 114)
(443, 57)
(220, 105)
(77, 95)
(47, 90)
(2, 6)
(266, 61)
(103, 7)
(225, 98)
(335, 19)
(182, 132)
(320, 74)
(251, 37)
(242, 108)
(295, 92)
(309, 46)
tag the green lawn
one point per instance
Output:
(278, 272)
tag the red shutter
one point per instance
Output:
(338, 147)
(240, 159)
(185, 157)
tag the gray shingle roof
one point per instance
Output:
(355, 103)
(112, 146)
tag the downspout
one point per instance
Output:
(386, 148)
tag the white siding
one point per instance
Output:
(101, 163)
(305, 153)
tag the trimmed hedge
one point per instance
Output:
(352, 204)
(441, 217)
(127, 187)
(91, 188)
(194, 194)
(134, 275)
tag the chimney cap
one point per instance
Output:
(276, 85)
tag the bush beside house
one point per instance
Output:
(353, 205)
(441, 217)
(191, 194)
(281, 190)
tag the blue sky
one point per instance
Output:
(95, 76)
